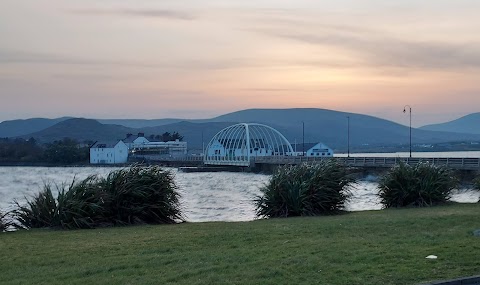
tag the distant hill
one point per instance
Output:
(327, 126)
(330, 127)
(468, 124)
(14, 128)
(81, 130)
(139, 123)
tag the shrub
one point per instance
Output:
(142, 195)
(305, 190)
(476, 184)
(4, 224)
(39, 212)
(137, 195)
(83, 205)
(417, 185)
(78, 206)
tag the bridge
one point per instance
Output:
(259, 146)
(457, 163)
(376, 162)
(254, 145)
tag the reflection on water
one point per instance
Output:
(219, 196)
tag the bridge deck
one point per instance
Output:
(366, 162)
(377, 162)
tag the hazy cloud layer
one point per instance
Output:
(392, 52)
(11, 56)
(155, 13)
(373, 45)
(20, 56)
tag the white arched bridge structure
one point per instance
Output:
(240, 144)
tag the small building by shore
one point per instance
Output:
(135, 146)
(108, 153)
(312, 149)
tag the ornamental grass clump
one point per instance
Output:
(419, 185)
(476, 184)
(4, 224)
(142, 195)
(136, 195)
(40, 212)
(305, 190)
(79, 206)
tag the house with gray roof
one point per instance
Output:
(312, 150)
(108, 153)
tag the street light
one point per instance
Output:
(348, 136)
(303, 138)
(405, 110)
(203, 145)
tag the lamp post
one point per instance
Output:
(303, 138)
(203, 145)
(405, 110)
(348, 136)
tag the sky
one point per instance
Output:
(203, 58)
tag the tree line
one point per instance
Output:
(65, 151)
(166, 137)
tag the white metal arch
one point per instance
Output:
(239, 144)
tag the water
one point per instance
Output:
(218, 196)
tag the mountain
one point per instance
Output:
(139, 123)
(331, 127)
(327, 126)
(81, 130)
(16, 128)
(467, 124)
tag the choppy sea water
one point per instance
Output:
(210, 196)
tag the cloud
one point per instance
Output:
(392, 52)
(17, 56)
(151, 13)
(373, 46)
(27, 57)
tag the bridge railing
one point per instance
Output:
(180, 158)
(456, 163)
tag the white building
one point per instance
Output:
(135, 141)
(135, 145)
(312, 150)
(108, 153)
(141, 146)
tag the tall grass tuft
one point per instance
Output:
(83, 205)
(40, 212)
(417, 185)
(4, 224)
(80, 205)
(476, 184)
(140, 195)
(305, 190)
(136, 195)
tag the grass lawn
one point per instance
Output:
(374, 247)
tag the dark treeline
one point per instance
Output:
(66, 151)
(166, 136)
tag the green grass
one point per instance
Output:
(372, 247)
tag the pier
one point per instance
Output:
(456, 163)
(376, 162)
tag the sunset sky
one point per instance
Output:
(203, 58)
